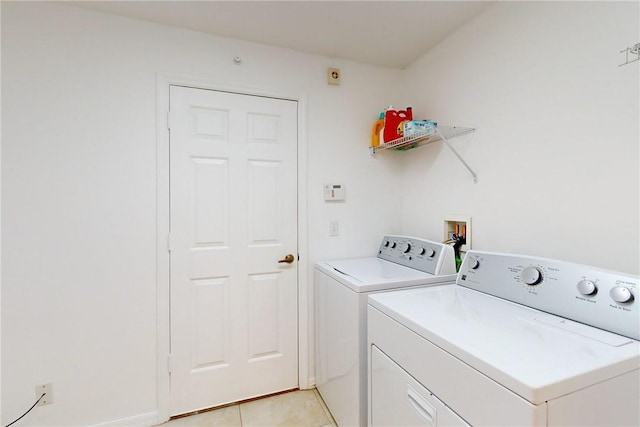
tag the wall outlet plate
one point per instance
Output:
(47, 389)
(460, 225)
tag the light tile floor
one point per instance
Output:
(300, 408)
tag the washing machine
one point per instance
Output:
(517, 341)
(341, 290)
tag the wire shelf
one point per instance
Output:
(437, 133)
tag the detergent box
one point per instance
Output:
(419, 127)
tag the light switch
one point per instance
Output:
(334, 192)
(334, 228)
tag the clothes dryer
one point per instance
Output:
(517, 340)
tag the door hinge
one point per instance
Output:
(169, 363)
(169, 242)
(169, 119)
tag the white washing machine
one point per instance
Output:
(341, 291)
(517, 341)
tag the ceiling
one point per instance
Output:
(385, 33)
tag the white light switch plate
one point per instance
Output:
(334, 228)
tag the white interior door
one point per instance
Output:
(233, 217)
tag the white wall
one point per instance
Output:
(79, 193)
(0, 215)
(556, 153)
(556, 147)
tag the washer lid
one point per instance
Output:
(373, 274)
(536, 355)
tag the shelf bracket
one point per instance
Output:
(429, 136)
(466, 165)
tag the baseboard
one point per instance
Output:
(312, 382)
(142, 420)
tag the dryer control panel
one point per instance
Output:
(601, 298)
(425, 255)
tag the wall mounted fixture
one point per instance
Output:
(333, 76)
(632, 54)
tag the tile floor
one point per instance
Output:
(300, 408)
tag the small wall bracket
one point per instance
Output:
(632, 54)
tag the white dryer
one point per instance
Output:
(341, 290)
(516, 341)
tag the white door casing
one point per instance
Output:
(233, 215)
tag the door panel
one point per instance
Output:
(211, 314)
(264, 178)
(211, 188)
(233, 201)
(263, 318)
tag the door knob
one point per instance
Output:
(288, 259)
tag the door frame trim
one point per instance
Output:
(163, 329)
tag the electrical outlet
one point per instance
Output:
(47, 389)
(333, 76)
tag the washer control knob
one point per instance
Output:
(587, 287)
(531, 276)
(386, 244)
(422, 251)
(431, 252)
(474, 263)
(407, 248)
(621, 294)
(393, 245)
